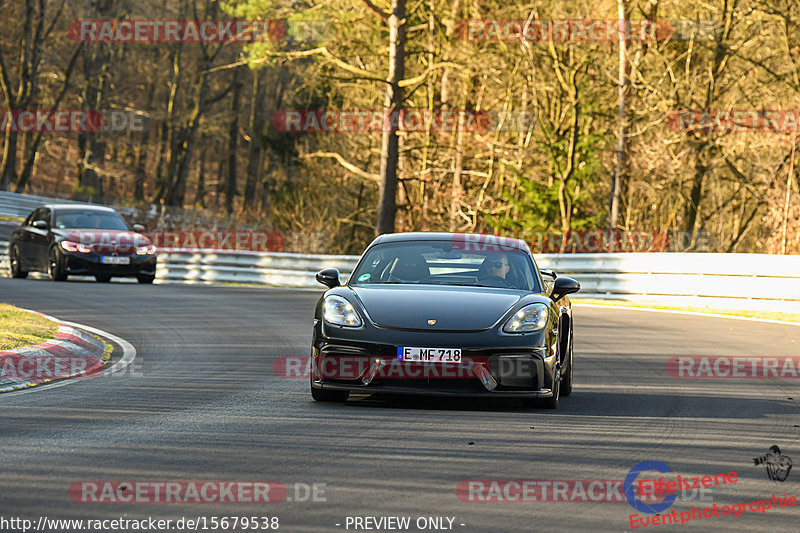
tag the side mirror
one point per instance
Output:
(564, 286)
(138, 227)
(329, 277)
(40, 224)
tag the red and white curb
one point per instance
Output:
(70, 354)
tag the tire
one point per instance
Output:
(16, 266)
(552, 402)
(566, 379)
(545, 403)
(55, 266)
(145, 279)
(102, 279)
(321, 395)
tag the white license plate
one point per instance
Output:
(429, 355)
(111, 260)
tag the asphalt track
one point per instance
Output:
(202, 403)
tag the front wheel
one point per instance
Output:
(566, 380)
(552, 401)
(56, 268)
(145, 279)
(103, 279)
(321, 395)
(546, 403)
(16, 266)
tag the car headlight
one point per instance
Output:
(71, 246)
(337, 310)
(530, 318)
(148, 249)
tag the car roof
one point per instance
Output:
(81, 207)
(508, 242)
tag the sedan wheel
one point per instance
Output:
(145, 279)
(103, 279)
(16, 266)
(56, 268)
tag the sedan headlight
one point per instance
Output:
(530, 318)
(71, 246)
(337, 310)
(148, 249)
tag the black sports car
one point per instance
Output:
(444, 314)
(81, 239)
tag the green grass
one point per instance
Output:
(20, 328)
(109, 349)
(769, 315)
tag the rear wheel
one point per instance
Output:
(145, 279)
(103, 279)
(321, 395)
(56, 266)
(16, 266)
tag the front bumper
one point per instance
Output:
(90, 264)
(497, 366)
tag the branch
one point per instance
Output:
(5, 83)
(375, 9)
(349, 166)
(306, 53)
(418, 79)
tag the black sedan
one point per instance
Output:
(444, 314)
(81, 239)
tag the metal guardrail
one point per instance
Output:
(278, 269)
(732, 281)
(20, 205)
(4, 266)
(723, 281)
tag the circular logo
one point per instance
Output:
(630, 482)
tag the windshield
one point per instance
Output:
(89, 220)
(439, 263)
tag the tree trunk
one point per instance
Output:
(233, 138)
(255, 151)
(8, 166)
(392, 104)
(620, 168)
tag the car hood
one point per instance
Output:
(105, 240)
(453, 308)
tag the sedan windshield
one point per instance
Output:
(441, 263)
(89, 220)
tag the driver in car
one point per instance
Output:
(495, 265)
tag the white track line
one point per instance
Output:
(128, 355)
(695, 313)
